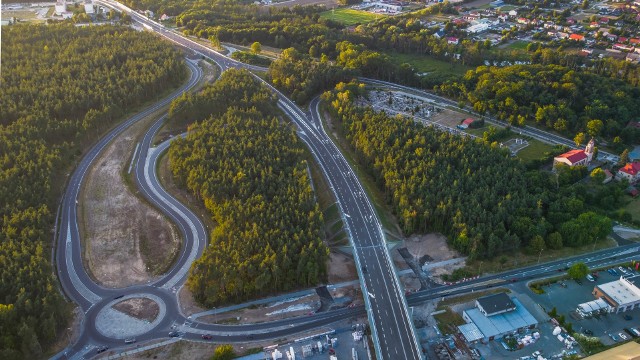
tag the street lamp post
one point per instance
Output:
(539, 254)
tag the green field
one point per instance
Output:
(633, 207)
(534, 151)
(518, 45)
(349, 16)
(427, 64)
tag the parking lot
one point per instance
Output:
(320, 347)
(566, 299)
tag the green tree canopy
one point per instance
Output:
(578, 270)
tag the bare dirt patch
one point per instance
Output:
(126, 241)
(341, 268)
(449, 118)
(139, 308)
(188, 304)
(429, 248)
(285, 309)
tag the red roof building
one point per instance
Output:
(466, 123)
(576, 157)
(576, 37)
(572, 158)
(630, 172)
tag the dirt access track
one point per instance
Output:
(125, 240)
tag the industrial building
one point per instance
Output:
(503, 317)
(628, 351)
(621, 294)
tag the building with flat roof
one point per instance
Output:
(621, 294)
(486, 328)
(495, 304)
(628, 351)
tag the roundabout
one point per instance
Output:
(130, 316)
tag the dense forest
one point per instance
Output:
(302, 77)
(61, 86)
(249, 170)
(470, 190)
(552, 96)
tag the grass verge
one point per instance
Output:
(519, 259)
(383, 211)
(427, 64)
(348, 16)
(448, 321)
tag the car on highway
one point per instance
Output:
(207, 337)
(118, 297)
(102, 349)
(590, 278)
(129, 340)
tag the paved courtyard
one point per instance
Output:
(567, 299)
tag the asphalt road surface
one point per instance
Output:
(386, 306)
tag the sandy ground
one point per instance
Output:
(188, 304)
(431, 247)
(448, 117)
(139, 308)
(341, 268)
(266, 312)
(126, 241)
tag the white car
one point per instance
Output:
(623, 336)
(590, 278)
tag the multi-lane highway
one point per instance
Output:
(394, 334)
(386, 307)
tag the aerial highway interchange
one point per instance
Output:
(386, 305)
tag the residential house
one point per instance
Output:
(452, 40)
(576, 37)
(630, 172)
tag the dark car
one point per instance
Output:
(628, 317)
(102, 349)
(364, 269)
(579, 281)
(587, 332)
(174, 334)
(207, 337)
(630, 332)
(118, 297)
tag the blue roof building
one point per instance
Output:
(486, 328)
